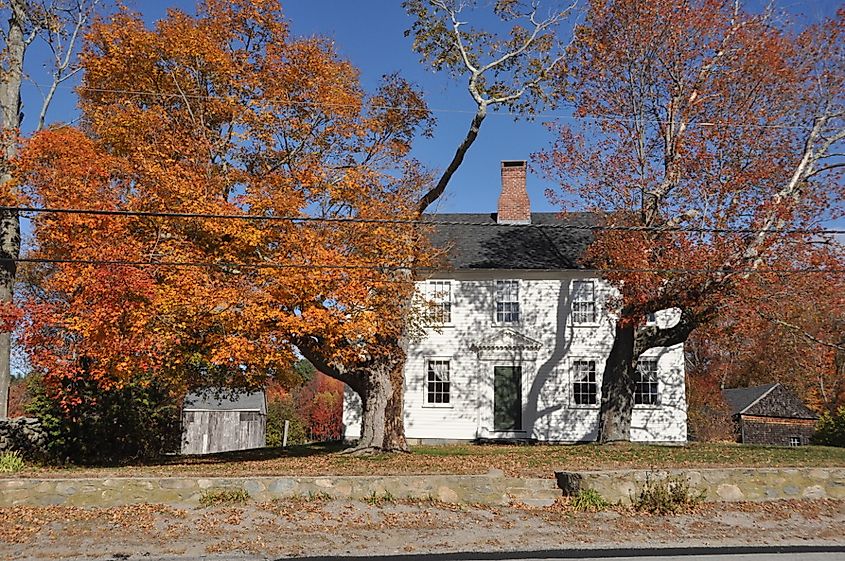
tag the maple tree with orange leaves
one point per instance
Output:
(698, 115)
(223, 113)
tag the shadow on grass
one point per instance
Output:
(254, 454)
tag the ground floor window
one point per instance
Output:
(795, 441)
(438, 387)
(645, 392)
(584, 386)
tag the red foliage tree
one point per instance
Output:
(713, 133)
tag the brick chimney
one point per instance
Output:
(514, 206)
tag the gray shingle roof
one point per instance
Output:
(739, 399)
(494, 246)
(222, 399)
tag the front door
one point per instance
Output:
(507, 398)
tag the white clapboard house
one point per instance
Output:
(520, 335)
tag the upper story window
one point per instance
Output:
(645, 392)
(507, 301)
(583, 302)
(439, 297)
(651, 318)
(584, 387)
(438, 388)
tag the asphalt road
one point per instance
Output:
(763, 553)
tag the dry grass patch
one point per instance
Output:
(468, 459)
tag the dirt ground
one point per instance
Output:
(322, 527)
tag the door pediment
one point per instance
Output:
(507, 344)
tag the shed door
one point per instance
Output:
(507, 398)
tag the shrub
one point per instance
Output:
(137, 421)
(279, 410)
(11, 462)
(830, 430)
(666, 495)
(589, 499)
(216, 497)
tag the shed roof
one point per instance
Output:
(490, 245)
(222, 399)
(770, 400)
(740, 399)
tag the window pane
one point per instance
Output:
(584, 386)
(645, 390)
(507, 301)
(439, 302)
(437, 381)
(583, 302)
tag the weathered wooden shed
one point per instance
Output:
(221, 421)
(770, 414)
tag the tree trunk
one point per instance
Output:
(394, 438)
(11, 75)
(617, 387)
(377, 391)
(10, 248)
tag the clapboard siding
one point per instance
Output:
(548, 411)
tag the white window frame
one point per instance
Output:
(795, 441)
(596, 382)
(436, 306)
(651, 360)
(496, 302)
(575, 304)
(449, 381)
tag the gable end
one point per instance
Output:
(780, 402)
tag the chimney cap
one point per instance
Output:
(513, 163)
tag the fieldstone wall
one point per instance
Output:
(22, 434)
(728, 484)
(494, 489)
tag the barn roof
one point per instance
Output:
(739, 399)
(487, 244)
(770, 400)
(221, 399)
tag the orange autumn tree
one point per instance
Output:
(797, 319)
(716, 135)
(223, 114)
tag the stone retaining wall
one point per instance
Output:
(24, 435)
(491, 489)
(728, 484)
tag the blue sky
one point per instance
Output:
(370, 33)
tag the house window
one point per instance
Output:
(437, 382)
(583, 302)
(651, 318)
(507, 301)
(440, 302)
(645, 392)
(584, 387)
(795, 441)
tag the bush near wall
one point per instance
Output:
(137, 421)
(830, 430)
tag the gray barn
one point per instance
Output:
(215, 421)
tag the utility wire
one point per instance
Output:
(382, 268)
(433, 222)
(597, 117)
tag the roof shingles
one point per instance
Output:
(498, 246)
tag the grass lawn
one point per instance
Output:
(517, 460)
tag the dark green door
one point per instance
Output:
(507, 398)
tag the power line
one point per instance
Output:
(597, 117)
(423, 222)
(384, 268)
